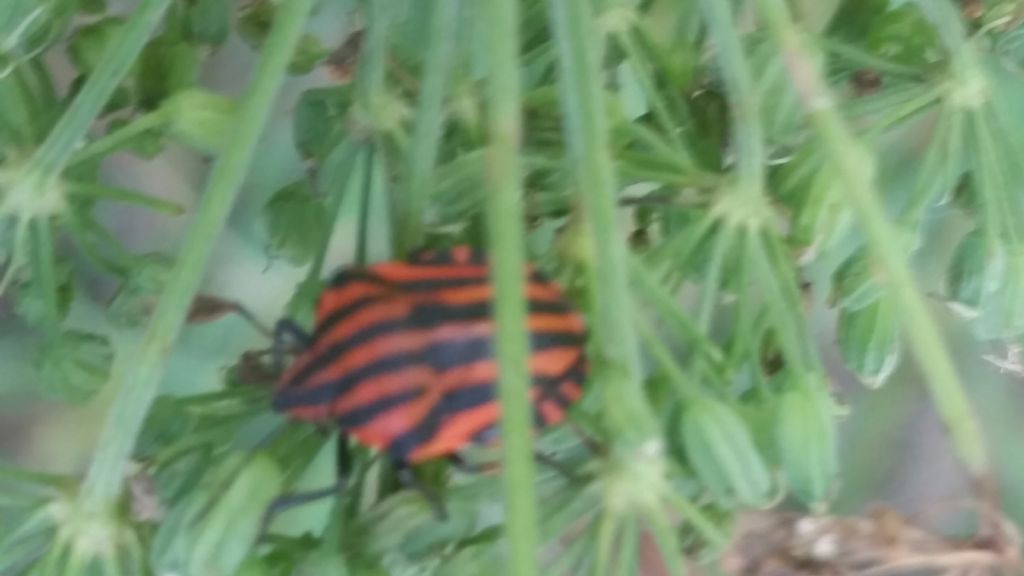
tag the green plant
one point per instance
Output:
(694, 172)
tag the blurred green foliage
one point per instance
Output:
(745, 263)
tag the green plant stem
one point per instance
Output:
(119, 138)
(373, 57)
(857, 167)
(340, 161)
(53, 156)
(137, 381)
(687, 388)
(947, 22)
(365, 198)
(583, 105)
(659, 107)
(44, 272)
(429, 121)
(112, 194)
(505, 217)
(739, 84)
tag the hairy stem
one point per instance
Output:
(857, 167)
(586, 129)
(506, 236)
(137, 381)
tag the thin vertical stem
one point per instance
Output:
(505, 217)
(586, 129)
(44, 272)
(857, 168)
(138, 380)
(747, 132)
(363, 239)
(53, 156)
(429, 122)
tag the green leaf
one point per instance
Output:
(29, 303)
(868, 340)
(208, 21)
(74, 366)
(166, 66)
(254, 22)
(308, 54)
(319, 121)
(28, 27)
(88, 43)
(168, 421)
(905, 36)
(296, 221)
(856, 283)
(134, 300)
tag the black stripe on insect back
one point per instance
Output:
(422, 318)
(440, 356)
(461, 400)
(368, 412)
(449, 405)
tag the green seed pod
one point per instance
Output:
(75, 365)
(200, 119)
(87, 45)
(869, 341)
(805, 439)
(296, 221)
(722, 452)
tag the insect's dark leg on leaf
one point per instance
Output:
(287, 334)
(460, 463)
(409, 480)
(561, 469)
(251, 319)
(343, 465)
(588, 441)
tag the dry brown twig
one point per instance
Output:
(882, 543)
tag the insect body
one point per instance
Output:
(402, 360)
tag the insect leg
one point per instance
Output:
(287, 501)
(561, 469)
(287, 336)
(409, 480)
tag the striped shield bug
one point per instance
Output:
(401, 357)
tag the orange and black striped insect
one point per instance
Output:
(402, 356)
